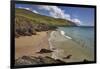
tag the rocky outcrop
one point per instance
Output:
(44, 51)
(24, 27)
(41, 27)
(31, 60)
(67, 57)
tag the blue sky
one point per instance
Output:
(81, 16)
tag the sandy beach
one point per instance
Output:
(64, 47)
(30, 45)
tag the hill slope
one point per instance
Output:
(37, 18)
(27, 22)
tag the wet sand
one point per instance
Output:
(63, 47)
(30, 45)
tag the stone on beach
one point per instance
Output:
(45, 51)
(67, 57)
(85, 60)
(31, 60)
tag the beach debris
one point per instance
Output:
(67, 57)
(45, 51)
(31, 60)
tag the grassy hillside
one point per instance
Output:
(37, 18)
(27, 22)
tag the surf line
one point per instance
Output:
(63, 33)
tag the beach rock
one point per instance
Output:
(49, 60)
(67, 57)
(26, 28)
(85, 60)
(45, 51)
(26, 60)
(41, 27)
(31, 60)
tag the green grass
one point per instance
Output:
(37, 18)
(28, 23)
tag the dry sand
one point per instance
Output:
(29, 45)
(62, 47)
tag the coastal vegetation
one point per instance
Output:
(27, 23)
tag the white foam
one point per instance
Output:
(57, 53)
(51, 47)
(63, 33)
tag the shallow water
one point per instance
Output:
(63, 46)
(82, 35)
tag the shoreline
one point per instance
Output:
(56, 49)
(55, 40)
(63, 33)
(78, 53)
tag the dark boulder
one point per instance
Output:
(85, 60)
(45, 51)
(67, 57)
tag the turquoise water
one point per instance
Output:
(82, 35)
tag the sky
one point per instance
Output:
(79, 15)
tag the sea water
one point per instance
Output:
(84, 36)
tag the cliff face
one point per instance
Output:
(27, 22)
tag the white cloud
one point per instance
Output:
(54, 11)
(24, 8)
(57, 12)
(77, 21)
(67, 16)
(44, 7)
(28, 9)
(35, 11)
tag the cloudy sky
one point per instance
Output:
(81, 16)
